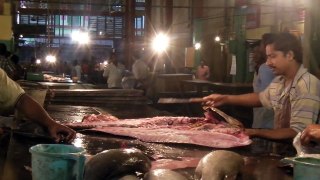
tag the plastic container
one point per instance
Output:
(57, 161)
(304, 167)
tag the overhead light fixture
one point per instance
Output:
(80, 37)
(51, 59)
(217, 39)
(197, 46)
(160, 43)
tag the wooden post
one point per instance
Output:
(129, 32)
(169, 14)
(1, 7)
(148, 24)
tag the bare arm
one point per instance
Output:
(274, 134)
(35, 112)
(250, 99)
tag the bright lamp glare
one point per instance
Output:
(217, 38)
(197, 46)
(38, 61)
(160, 43)
(80, 37)
(51, 59)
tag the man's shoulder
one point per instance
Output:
(307, 82)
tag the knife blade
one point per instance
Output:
(180, 100)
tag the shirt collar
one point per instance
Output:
(298, 75)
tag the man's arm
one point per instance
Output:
(216, 100)
(274, 134)
(250, 99)
(35, 112)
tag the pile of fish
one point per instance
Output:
(216, 129)
(132, 164)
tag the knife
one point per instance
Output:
(180, 100)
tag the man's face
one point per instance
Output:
(277, 60)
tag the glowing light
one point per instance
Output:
(105, 63)
(80, 37)
(38, 61)
(197, 46)
(160, 43)
(51, 59)
(217, 38)
(21, 36)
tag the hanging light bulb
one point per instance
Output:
(197, 46)
(217, 39)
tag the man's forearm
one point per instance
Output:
(34, 111)
(274, 134)
(250, 99)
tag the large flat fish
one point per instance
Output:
(167, 135)
(205, 131)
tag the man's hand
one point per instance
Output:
(61, 133)
(215, 100)
(311, 135)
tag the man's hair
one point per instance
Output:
(286, 42)
(266, 38)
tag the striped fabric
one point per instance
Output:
(10, 92)
(304, 98)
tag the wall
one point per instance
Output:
(6, 26)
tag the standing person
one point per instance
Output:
(294, 94)
(141, 72)
(113, 72)
(12, 96)
(76, 71)
(262, 116)
(85, 70)
(203, 71)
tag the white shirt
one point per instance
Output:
(10, 92)
(114, 75)
(140, 70)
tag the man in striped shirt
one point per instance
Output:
(293, 94)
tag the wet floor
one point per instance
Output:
(15, 159)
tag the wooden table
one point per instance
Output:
(231, 88)
(200, 85)
(170, 83)
(56, 85)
